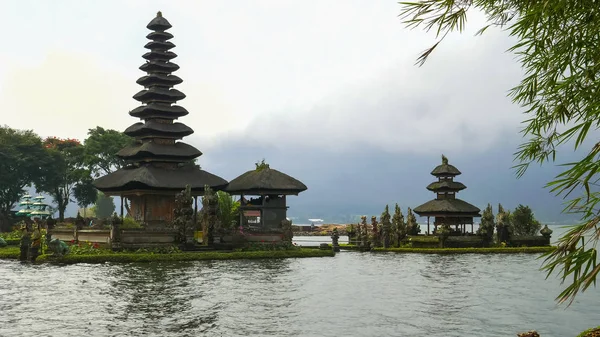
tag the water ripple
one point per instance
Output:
(353, 294)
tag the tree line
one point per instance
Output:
(63, 168)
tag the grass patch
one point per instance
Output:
(491, 250)
(149, 257)
(424, 238)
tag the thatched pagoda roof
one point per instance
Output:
(178, 151)
(265, 181)
(156, 129)
(447, 207)
(149, 177)
(446, 186)
(445, 169)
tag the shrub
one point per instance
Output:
(130, 223)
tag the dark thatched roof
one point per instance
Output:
(154, 128)
(265, 181)
(159, 94)
(159, 23)
(449, 207)
(158, 110)
(179, 150)
(446, 186)
(149, 177)
(445, 169)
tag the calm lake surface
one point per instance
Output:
(352, 294)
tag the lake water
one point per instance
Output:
(352, 294)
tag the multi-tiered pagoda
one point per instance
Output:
(446, 208)
(159, 165)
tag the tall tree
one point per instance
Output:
(85, 193)
(559, 49)
(105, 206)
(21, 154)
(62, 171)
(486, 227)
(101, 147)
(523, 221)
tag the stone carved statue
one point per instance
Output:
(58, 247)
(546, 232)
(183, 215)
(115, 235)
(288, 233)
(210, 207)
(335, 236)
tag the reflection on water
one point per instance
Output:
(352, 294)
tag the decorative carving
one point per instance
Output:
(210, 206)
(183, 215)
(288, 233)
(335, 236)
(546, 232)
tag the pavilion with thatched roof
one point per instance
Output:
(269, 209)
(446, 208)
(159, 164)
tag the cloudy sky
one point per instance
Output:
(312, 80)
(299, 71)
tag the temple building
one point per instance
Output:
(446, 208)
(271, 187)
(159, 165)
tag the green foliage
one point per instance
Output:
(557, 46)
(14, 235)
(86, 248)
(85, 193)
(21, 157)
(10, 252)
(130, 223)
(268, 246)
(105, 206)
(386, 225)
(412, 227)
(399, 226)
(492, 250)
(228, 212)
(62, 171)
(590, 332)
(523, 221)
(261, 165)
(101, 148)
(487, 225)
(134, 257)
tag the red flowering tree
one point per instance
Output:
(63, 171)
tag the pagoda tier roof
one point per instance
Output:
(265, 181)
(157, 110)
(445, 169)
(159, 55)
(159, 23)
(171, 152)
(446, 186)
(159, 79)
(150, 177)
(161, 130)
(157, 94)
(159, 36)
(159, 45)
(159, 67)
(447, 207)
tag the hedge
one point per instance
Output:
(10, 253)
(148, 257)
(491, 250)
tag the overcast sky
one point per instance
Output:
(325, 73)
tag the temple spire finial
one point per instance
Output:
(444, 160)
(159, 14)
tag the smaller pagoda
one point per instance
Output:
(267, 211)
(446, 208)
